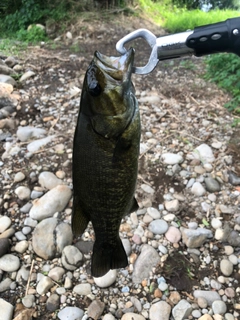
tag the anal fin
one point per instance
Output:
(79, 219)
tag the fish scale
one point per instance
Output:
(105, 157)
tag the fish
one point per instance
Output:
(105, 157)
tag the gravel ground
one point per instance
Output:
(183, 243)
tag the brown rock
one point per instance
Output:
(95, 309)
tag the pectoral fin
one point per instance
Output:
(79, 219)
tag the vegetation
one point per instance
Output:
(224, 69)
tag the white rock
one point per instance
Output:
(26, 76)
(70, 313)
(172, 205)
(147, 188)
(107, 280)
(182, 310)
(132, 316)
(5, 223)
(21, 246)
(216, 223)
(48, 180)
(6, 310)
(19, 177)
(160, 311)
(53, 201)
(198, 189)
(204, 153)
(82, 289)
(37, 144)
(9, 263)
(154, 213)
(23, 192)
(27, 133)
(44, 285)
(171, 158)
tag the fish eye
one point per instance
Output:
(94, 89)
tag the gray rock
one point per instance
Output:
(132, 316)
(27, 75)
(22, 275)
(9, 263)
(26, 208)
(30, 222)
(51, 243)
(109, 316)
(82, 289)
(6, 310)
(95, 309)
(182, 310)
(70, 313)
(11, 61)
(28, 300)
(44, 285)
(53, 201)
(19, 176)
(154, 213)
(4, 246)
(171, 158)
(56, 273)
(146, 188)
(147, 259)
(219, 307)
(195, 238)
(127, 246)
(233, 178)
(5, 223)
(212, 185)
(71, 257)
(48, 180)
(5, 285)
(158, 226)
(53, 302)
(209, 296)
(37, 144)
(7, 79)
(27, 133)
(160, 311)
(84, 246)
(226, 267)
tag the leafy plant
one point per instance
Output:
(224, 70)
(33, 34)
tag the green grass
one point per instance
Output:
(179, 19)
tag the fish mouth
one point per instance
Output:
(118, 68)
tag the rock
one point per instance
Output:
(182, 310)
(22, 275)
(49, 244)
(5, 70)
(83, 289)
(5, 223)
(21, 246)
(8, 233)
(48, 180)
(6, 310)
(127, 246)
(70, 313)
(53, 302)
(219, 307)
(173, 234)
(95, 309)
(171, 158)
(28, 300)
(56, 273)
(174, 297)
(23, 192)
(26, 133)
(44, 285)
(233, 178)
(4, 246)
(9, 263)
(5, 285)
(209, 296)
(160, 311)
(37, 144)
(53, 201)
(204, 153)
(7, 79)
(212, 185)
(71, 257)
(19, 176)
(198, 189)
(146, 188)
(216, 223)
(195, 238)
(202, 302)
(205, 317)
(107, 280)
(27, 75)
(154, 213)
(147, 259)
(158, 226)
(132, 316)
(226, 209)
(108, 316)
(226, 267)
(84, 246)
(172, 205)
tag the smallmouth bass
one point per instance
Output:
(105, 157)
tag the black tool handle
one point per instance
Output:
(218, 37)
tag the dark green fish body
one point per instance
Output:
(105, 157)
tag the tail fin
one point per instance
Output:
(108, 256)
